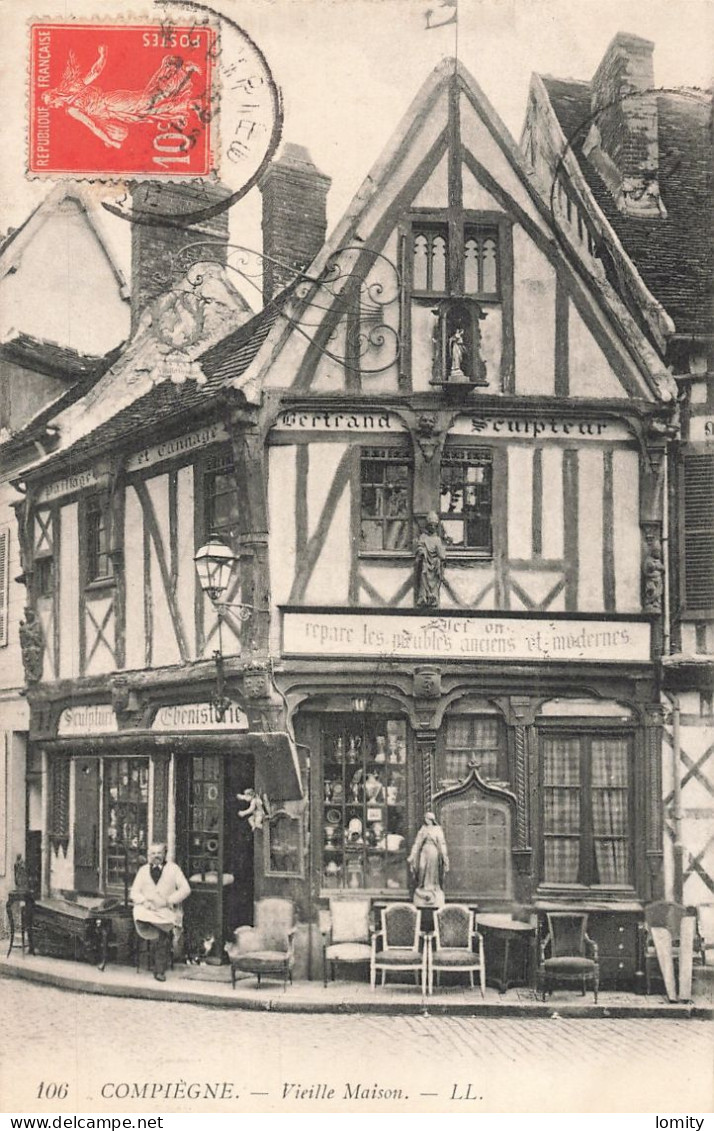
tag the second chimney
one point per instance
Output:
(294, 216)
(161, 254)
(623, 140)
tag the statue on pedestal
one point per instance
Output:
(429, 862)
(430, 557)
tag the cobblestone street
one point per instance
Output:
(175, 1057)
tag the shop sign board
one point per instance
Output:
(329, 420)
(179, 446)
(68, 485)
(456, 637)
(88, 718)
(180, 717)
(514, 426)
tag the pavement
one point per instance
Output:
(68, 1052)
(211, 985)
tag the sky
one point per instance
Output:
(348, 70)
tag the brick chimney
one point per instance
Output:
(158, 258)
(294, 215)
(622, 142)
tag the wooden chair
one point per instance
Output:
(705, 930)
(345, 934)
(456, 945)
(398, 945)
(568, 954)
(266, 949)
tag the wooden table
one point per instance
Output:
(515, 936)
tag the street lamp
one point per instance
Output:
(214, 566)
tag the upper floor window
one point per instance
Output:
(96, 525)
(477, 266)
(221, 496)
(698, 507)
(430, 267)
(481, 273)
(466, 475)
(385, 499)
(43, 549)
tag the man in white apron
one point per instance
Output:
(157, 893)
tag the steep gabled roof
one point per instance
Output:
(673, 255)
(13, 246)
(363, 228)
(167, 405)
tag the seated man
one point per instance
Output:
(157, 893)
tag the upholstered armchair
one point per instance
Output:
(568, 954)
(398, 945)
(456, 945)
(266, 949)
(345, 934)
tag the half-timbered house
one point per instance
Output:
(627, 168)
(460, 477)
(49, 355)
(133, 742)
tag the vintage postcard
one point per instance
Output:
(357, 558)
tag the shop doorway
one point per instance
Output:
(215, 849)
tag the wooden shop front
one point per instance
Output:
(543, 775)
(181, 778)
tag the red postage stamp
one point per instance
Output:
(116, 100)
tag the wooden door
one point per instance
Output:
(86, 824)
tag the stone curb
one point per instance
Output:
(265, 1001)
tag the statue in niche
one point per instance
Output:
(457, 356)
(456, 343)
(653, 574)
(429, 564)
(428, 863)
(32, 644)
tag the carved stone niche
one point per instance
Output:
(456, 345)
(478, 821)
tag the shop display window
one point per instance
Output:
(364, 803)
(126, 789)
(205, 813)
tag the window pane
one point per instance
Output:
(466, 491)
(438, 277)
(561, 761)
(561, 860)
(396, 535)
(364, 816)
(561, 810)
(474, 738)
(385, 495)
(489, 264)
(421, 252)
(471, 258)
(126, 790)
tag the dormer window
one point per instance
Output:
(481, 273)
(430, 266)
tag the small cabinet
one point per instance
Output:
(616, 933)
